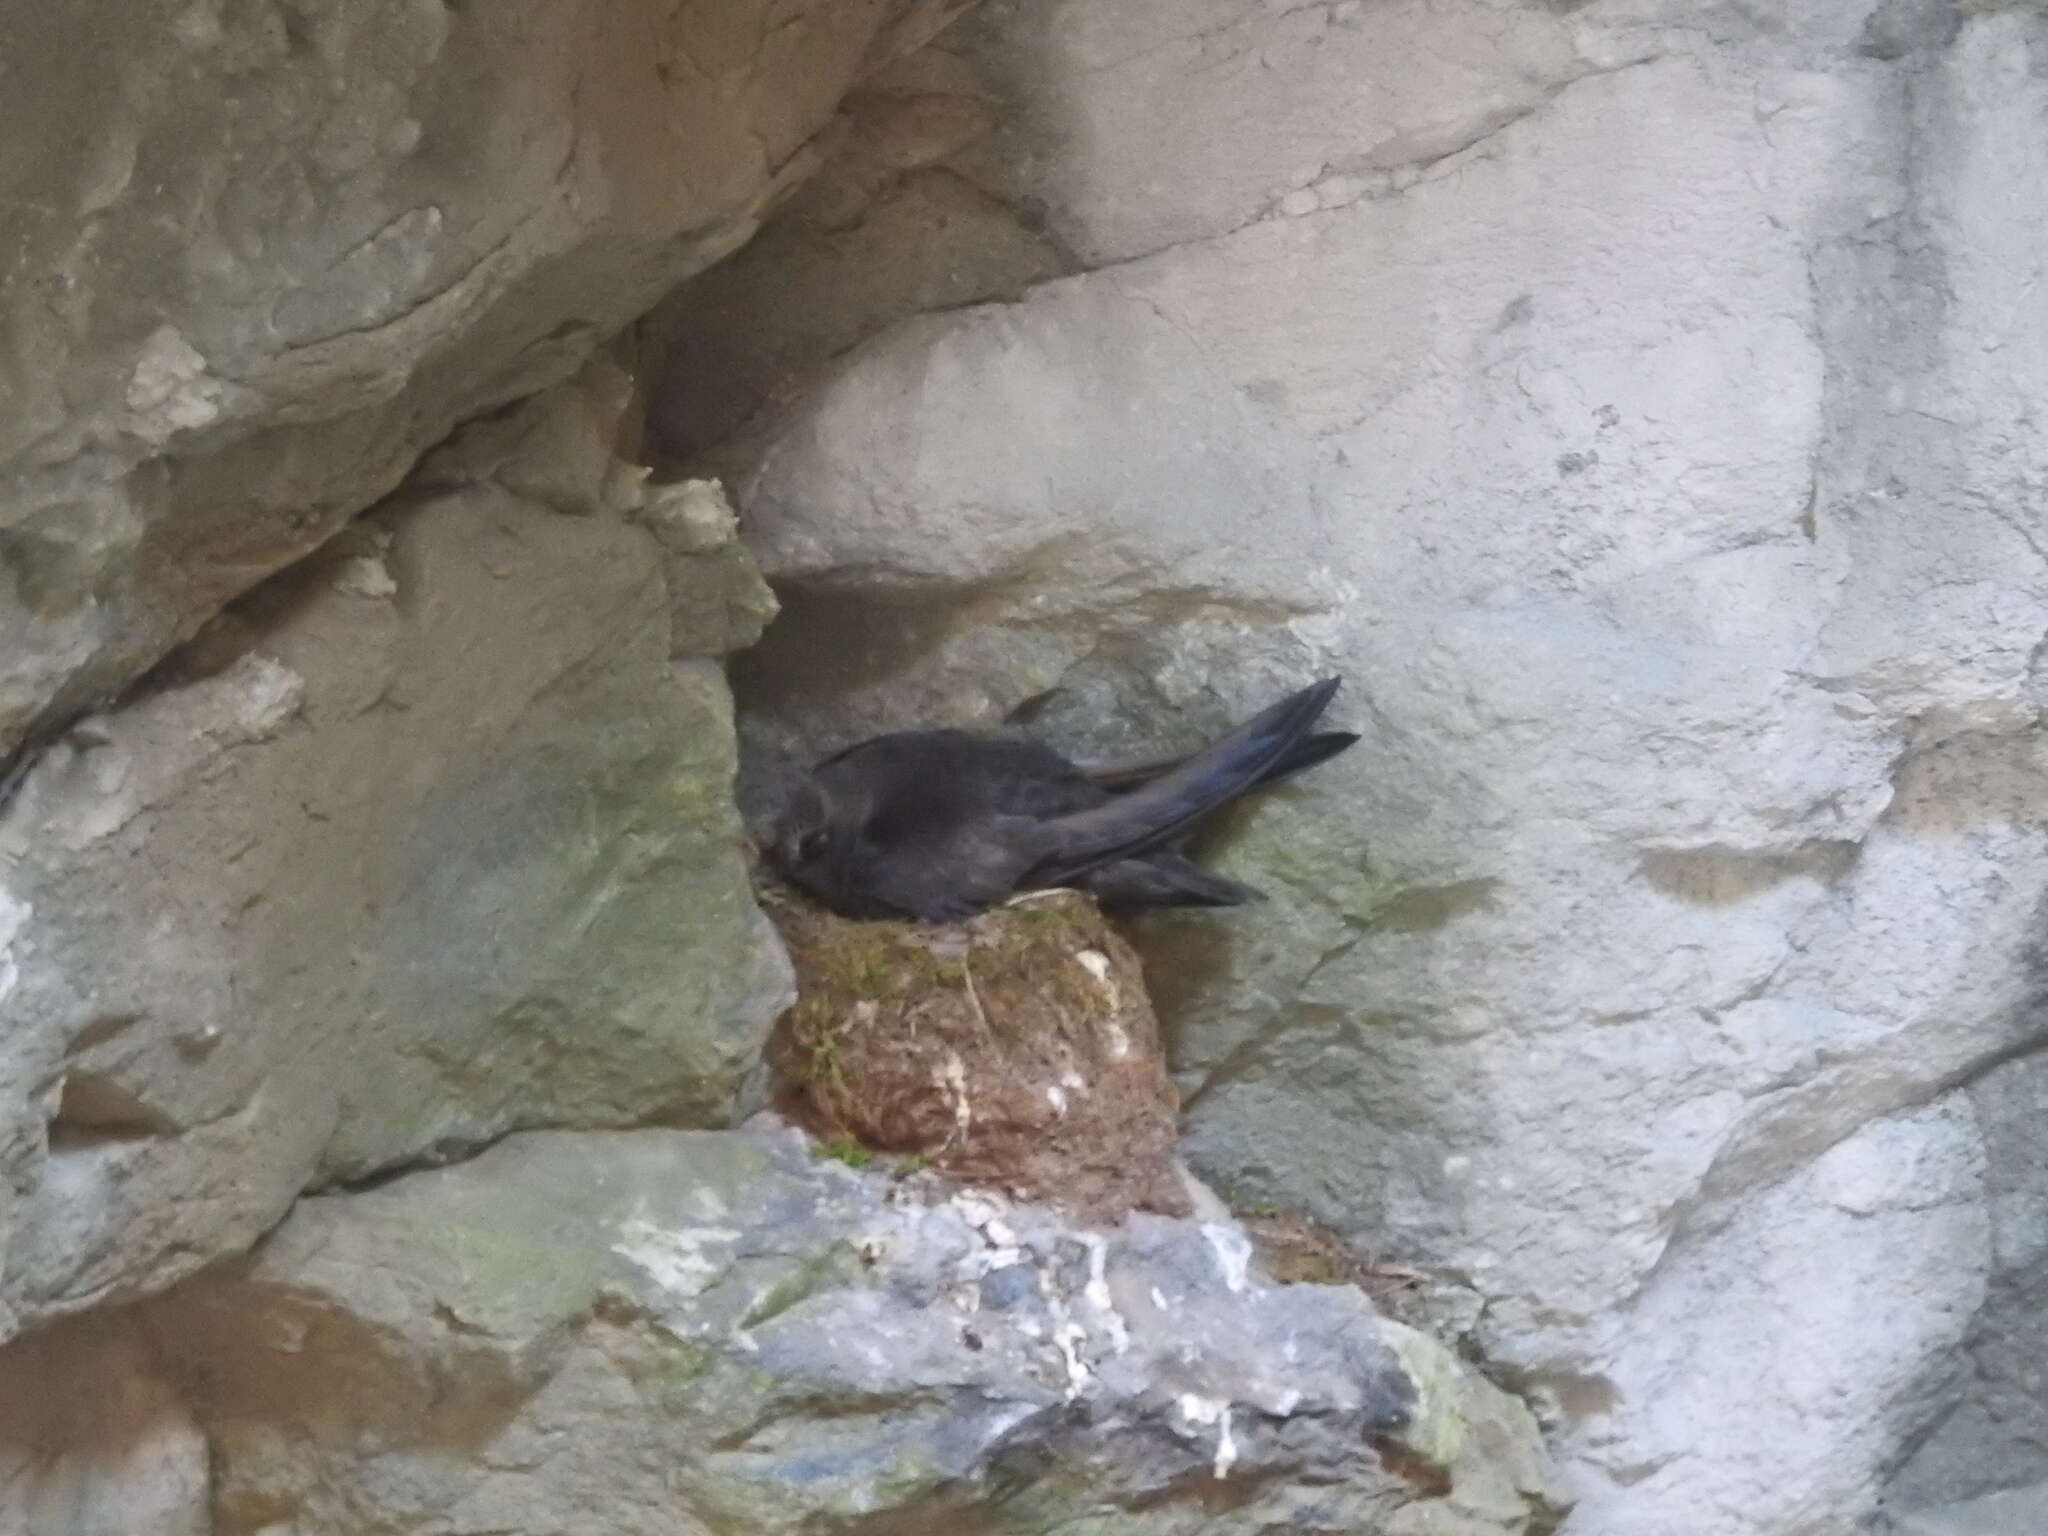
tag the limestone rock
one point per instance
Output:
(95, 1439)
(772, 1342)
(889, 226)
(1639, 404)
(1016, 1049)
(1995, 1388)
(437, 846)
(259, 258)
(1995, 1514)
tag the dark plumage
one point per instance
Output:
(940, 824)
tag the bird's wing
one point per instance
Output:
(1163, 879)
(950, 875)
(1152, 816)
(1318, 747)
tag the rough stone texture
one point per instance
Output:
(340, 848)
(258, 257)
(1639, 402)
(1992, 1436)
(432, 841)
(889, 226)
(1996, 1514)
(1018, 1049)
(94, 1439)
(722, 1333)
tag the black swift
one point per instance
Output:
(941, 824)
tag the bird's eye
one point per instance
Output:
(811, 846)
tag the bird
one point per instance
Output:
(937, 825)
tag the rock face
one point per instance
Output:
(1988, 1445)
(438, 846)
(1639, 404)
(774, 1342)
(893, 223)
(95, 1440)
(259, 258)
(1638, 401)
(365, 806)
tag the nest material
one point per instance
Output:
(1017, 1049)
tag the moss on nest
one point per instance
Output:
(1018, 1048)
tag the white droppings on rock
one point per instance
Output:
(1233, 1252)
(1056, 1096)
(1070, 1336)
(1211, 1410)
(982, 1211)
(977, 1208)
(673, 1257)
(1097, 1292)
(14, 916)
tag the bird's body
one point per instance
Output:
(939, 824)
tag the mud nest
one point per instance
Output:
(1017, 1049)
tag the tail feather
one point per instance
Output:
(1320, 747)
(1306, 753)
(1153, 816)
(1164, 879)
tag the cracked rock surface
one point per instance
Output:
(774, 1342)
(430, 839)
(258, 257)
(1639, 403)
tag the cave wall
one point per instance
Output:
(366, 770)
(1639, 403)
(1636, 400)
(270, 910)
(260, 256)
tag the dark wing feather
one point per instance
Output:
(1151, 817)
(1163, 879)
(940, 824)
(944, 878)
(1318, 747)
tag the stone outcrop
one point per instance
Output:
(723, 1332)
(257, 258)
(1638, 401)
(428, 840)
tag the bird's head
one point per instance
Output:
(805, 845)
